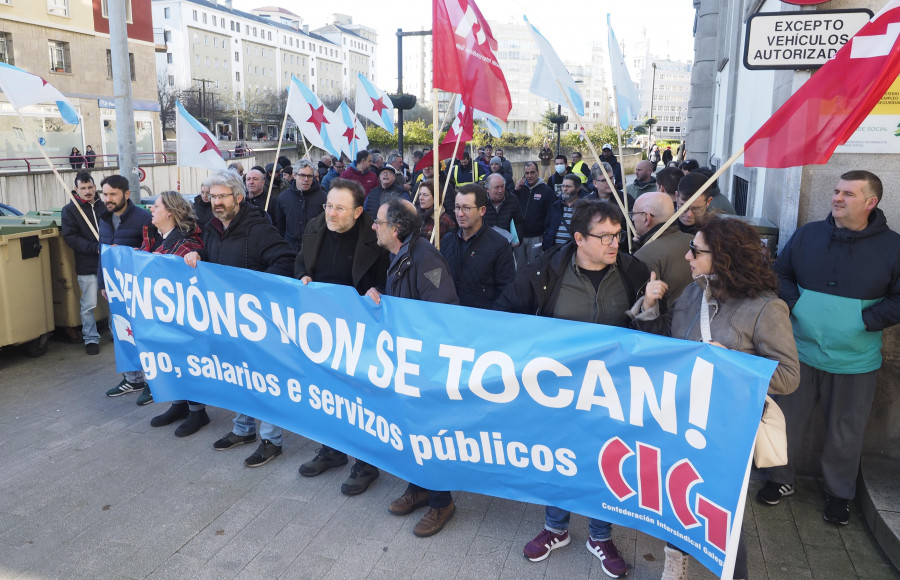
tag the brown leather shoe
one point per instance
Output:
(434, 520)
(409, 502)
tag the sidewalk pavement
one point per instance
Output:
(90, 490)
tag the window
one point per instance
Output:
(60, 60)
(6, 48)
(167, 36)
(169, 58)
(237, 76)
(131, 66)
(109, 66)
(204, 18)
(58, 7)
(167, 12)
(237, 56)
(237, 26)
(195, 16)
(171, 80)
(207, 62)
(269, 35)
(103, 8)
(206, 40)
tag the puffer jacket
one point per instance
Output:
(419, 272)
(250, 241)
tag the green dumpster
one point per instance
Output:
(26, 297)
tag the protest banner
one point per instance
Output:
(645, 431)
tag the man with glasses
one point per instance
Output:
(388, 187)
(604, 191)
(339, 247)
(240, 236)
(418, 272)
(299, 204)
(665, 254)
(587, 280)
(481, 261)
(337, 167)
(695, 215)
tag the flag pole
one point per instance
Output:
(178, 181)
(612, 186)
(61, 180)
(700, 191)
(436, 133)
(446, 184)
(275, 164)
(305, 144)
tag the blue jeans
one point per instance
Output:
(246, 425)
(88, 285)
(557, 521)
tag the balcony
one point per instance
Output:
(159, 39)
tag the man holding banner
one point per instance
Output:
(587, 280)
(417, 271)
(242, 237)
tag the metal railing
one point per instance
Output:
(29, 164)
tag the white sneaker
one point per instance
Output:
(676, 567)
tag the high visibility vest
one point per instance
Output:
(476, 175)
(581, 169)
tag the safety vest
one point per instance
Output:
(476, 175)
(581, 169)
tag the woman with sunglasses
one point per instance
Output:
(731, 304)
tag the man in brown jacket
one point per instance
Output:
(665, 254)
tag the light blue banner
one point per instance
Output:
(648, 432)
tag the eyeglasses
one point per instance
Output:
(634, 213)
(695, 250)
(219, 197)
(464, 208)
(378, 222)
(607, 239)
(695, 209)
(305, 175)
(334, 208)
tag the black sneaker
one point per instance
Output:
(266, 452)
(837, 510)
(195, 421)
(772, 492)
(233, 440)
(325, 459)
(361, 476)
(92, 348)
(176, 412)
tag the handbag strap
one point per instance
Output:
(705, 334)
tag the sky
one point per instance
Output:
(668, 23)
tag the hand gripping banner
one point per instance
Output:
(648, 432)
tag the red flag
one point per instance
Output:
(463, 123)
(826, 110)
(464, 61)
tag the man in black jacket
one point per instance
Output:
(535, 199)
(239, 235)
(202, 205)
(481, 261)
(388, 186)
(339, 247)
(298, 205)
(503, 209)
(419, 272)
(123, 225)
(78, 234)
(586, 280)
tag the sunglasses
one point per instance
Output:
(695, 250)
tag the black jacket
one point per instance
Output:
(250, 242)
(420, 272)
(555, 218)
(617, 170)
(374, 199)
(481, 266)
(129, 233)
(260, 201)
(370, 261)
(78, 235)
(535, 202)
(203, 211)
(537, 286)
(295, 210)
(508, 211)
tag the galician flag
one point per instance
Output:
(628, 103)
(342, 122)
(308, 111)
(550, 75)
(194, 144)
(23, 89)
(374, 104)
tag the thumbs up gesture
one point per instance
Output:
(654, 291)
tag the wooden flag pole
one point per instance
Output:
(436, 134)
(612, 186)
(700, 191)
(275, 163)
(446, 186)
(62, 181)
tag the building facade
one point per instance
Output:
(664, 87)
(240, 64)
(67, 43)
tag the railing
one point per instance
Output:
(159, 36)
(29, 164)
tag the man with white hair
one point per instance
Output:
(665, 254)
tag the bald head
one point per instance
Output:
(652, 209)
(643, 171)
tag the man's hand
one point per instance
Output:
(103, 293)
(305, 280)
(191, 259)
(375, 295)
(654, 291)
